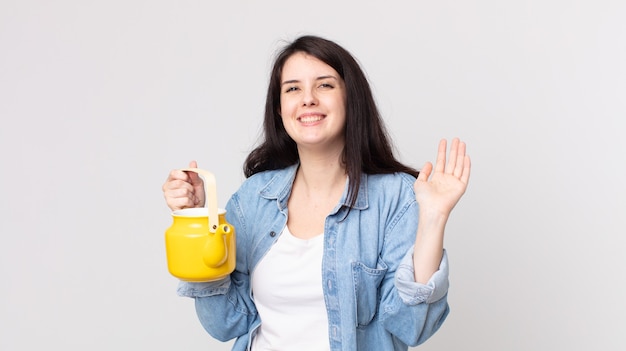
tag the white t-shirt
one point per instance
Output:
(287, 291)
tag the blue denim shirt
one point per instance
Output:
(372, 299)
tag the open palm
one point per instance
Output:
(439, 189)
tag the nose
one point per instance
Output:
(309, 98)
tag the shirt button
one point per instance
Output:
(272, 234)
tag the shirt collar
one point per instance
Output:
(279, 188)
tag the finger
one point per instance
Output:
(425, 172)
(193, 177)
(180, 194)
(180, 203)
(441, 157)
(460, 158)
(454, 147)
(176, 174)
(466, 169)
(177, 188)
(177, 203)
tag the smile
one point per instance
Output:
(310, 118)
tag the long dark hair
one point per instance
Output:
(367, 149)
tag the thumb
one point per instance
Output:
(194, 178)
(425, 172)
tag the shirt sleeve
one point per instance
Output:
(189, 289)
(413, 293)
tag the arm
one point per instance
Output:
(224, 307)
(411, 311)
(437, 192)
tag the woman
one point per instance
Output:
(330, 255)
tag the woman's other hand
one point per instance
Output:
(184, 189)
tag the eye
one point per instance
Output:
(326, 86)
(290, 89)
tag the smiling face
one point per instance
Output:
(313, 103)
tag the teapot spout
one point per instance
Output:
(215, 251)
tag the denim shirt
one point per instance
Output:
(371, 297)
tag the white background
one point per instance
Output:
(99, 100)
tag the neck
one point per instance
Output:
(321, 173)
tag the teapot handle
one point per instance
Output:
(210, 194)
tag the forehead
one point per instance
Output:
(301, 65)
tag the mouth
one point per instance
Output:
(310, 118)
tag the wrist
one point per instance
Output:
(432, 218)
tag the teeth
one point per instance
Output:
(309, 119)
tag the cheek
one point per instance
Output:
(286, 107)
(341, 106)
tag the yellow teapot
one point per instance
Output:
(200, 244)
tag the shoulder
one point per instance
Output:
(255, 194)
(392, 194)
(391, 198)
(398, 183)
(267, 184)
(261, 178)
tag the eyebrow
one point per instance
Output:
(318, 78)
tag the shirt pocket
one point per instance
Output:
(367, 290)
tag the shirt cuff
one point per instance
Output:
(413, 293)
(189, 289)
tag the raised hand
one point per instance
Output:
(438, 190)
(184, 189)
